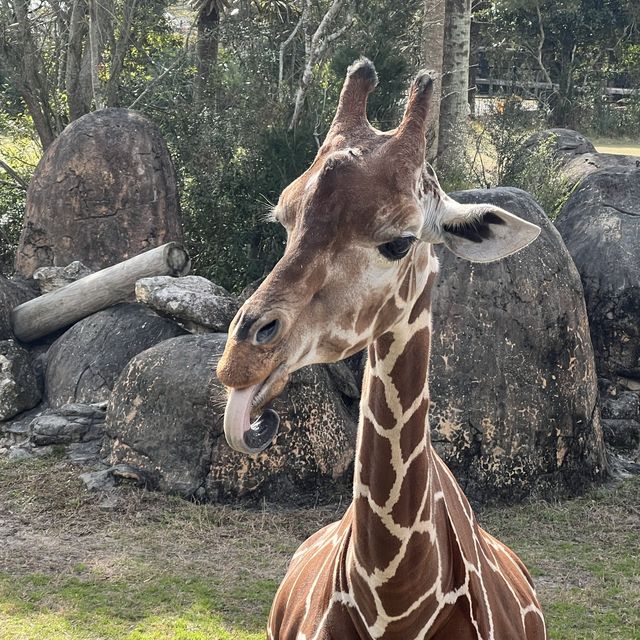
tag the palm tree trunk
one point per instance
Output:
(207, 56)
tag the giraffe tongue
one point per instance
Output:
(241, 434)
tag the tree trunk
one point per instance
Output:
(207, 57)
(563, 100)
(454, 108)
(78, 96)
(432, 54)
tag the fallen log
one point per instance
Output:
(62, 307)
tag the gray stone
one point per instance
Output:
(52, 278)
(19, 388)
(67, 424)
(55, 429)
(562, 142)
(19, 453)
(160, 417)
(622, 434)
(84, 363)
(104, 191)
(195, 302)
(12, 294)
(513, 380)
(575, 154)
(84, 452)
(625, 405)
(98, 480)
(165, 417)
(600, 225)
(312, 454)
(109, 503)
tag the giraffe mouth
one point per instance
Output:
(241, 433)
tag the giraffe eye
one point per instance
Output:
(397, 248)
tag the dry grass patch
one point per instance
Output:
(157, 567)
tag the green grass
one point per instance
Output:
(584, 555)
(159, 568)
(156, 606)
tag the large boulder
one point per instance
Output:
(12, 294)
(83, 364)
(565, 143)
(513, 381)
(165, 418)
(575, 155)
(196, 303)
(104, 191)
(19, 387)
(600, 225)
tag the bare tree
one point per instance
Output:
(454, 106)
(432, 55)
(53, 49)
(316, 46)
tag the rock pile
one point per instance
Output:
(131, 390)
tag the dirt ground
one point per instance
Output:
(117, 565)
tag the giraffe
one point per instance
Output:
(408, 559)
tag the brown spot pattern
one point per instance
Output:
(414, 484)
(378, 404)
(409, 374)
(374, 544)
(374, 447)
(364, 597)
(413, 574)
(414, 430)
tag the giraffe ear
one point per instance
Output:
(483, 232)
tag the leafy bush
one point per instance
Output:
(539, 172)
(496, 155)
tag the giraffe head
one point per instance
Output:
(360, 222)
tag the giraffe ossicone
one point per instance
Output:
(408, 559)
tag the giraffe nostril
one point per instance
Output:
(268, 332)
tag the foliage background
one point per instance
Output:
(235, 151)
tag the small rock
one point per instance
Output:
(622, 434)
(51, 428)
(195, 302)
(109, 503)
(70, 423)
(630, 383)
(52, 278)
(18, 453)
(98, 480)
(624, 406)
(42, 452)
(84, 451)
(19, 388)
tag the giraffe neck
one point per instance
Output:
(394, 557)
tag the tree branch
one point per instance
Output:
(14, 174)
(315, 48)
(158, 79)
(284, 45)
